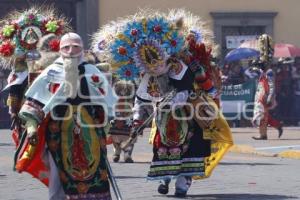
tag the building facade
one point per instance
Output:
(232, 20)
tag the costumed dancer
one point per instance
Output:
(172, 54)
(63, 112)
(121, 125)
(265, 92)
(27, 36)
(124, 82)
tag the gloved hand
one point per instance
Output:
(136, 128)
(31, 127)
(16, 122)
(112, 122)
(179, 100)
(134, 132)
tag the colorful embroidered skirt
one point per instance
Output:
(186, 159)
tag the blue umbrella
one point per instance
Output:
(241, 53)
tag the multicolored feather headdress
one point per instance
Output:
(21, 31)
(143, 42)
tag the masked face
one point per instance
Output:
(158, 70)
(71, 46)
(71, 51)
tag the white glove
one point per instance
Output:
(31, 127)
(179, 99)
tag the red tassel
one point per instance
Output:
(207, 85)
(199, 53)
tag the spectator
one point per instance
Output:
(225, 74)
(284, 89)
(236, 73)
(296, 91)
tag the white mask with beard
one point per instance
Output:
(71, 50)
(71, 76)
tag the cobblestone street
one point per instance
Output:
(250, 175)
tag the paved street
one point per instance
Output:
(253, 170)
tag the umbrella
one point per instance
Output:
(241, 53)
(286, 50)
(280, 49)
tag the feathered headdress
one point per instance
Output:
(47, 47)
(147, 39)
(20, 32)
(199, 44)
(266, 48)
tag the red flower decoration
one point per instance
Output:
(128, 73)
(54, 45)
(157, 28)
(95, 78)
(134, 32)
(122, 50)
(6, 49)
(173, 43)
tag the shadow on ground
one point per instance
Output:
(6, 144)
(287, 139)
(128, 177)
(135, 162)
(248, 164)
(237, 196)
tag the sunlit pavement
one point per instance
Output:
(286, 146)
(251, 170)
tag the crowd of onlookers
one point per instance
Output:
(287, 86)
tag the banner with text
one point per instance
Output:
(237, 100)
